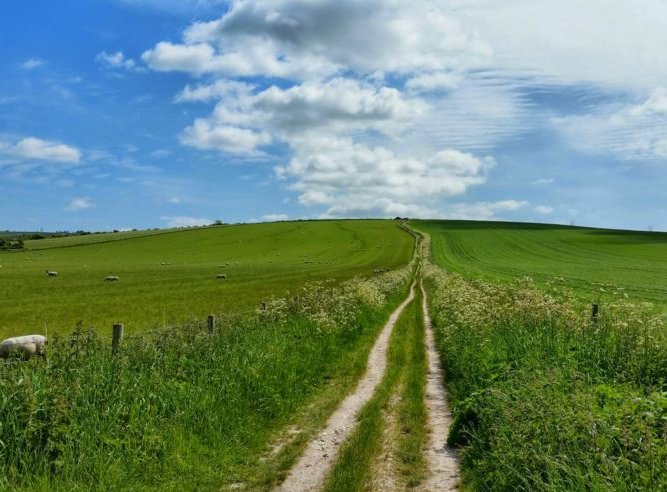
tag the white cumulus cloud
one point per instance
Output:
(483, 210)
(185, 221)
(32, 63)
(352, 179)
(543, 209)
(301, 38)
(203, 134)
(217, 90)
(275, 217)
(80, 203)
(118, 60)
(38, 149)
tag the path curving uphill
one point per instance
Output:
(442, 460)
(316, 462)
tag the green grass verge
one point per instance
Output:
(262, 261)
(546, 399)
(180, 409)
(406, 374)
(412, 413)
(586, 260)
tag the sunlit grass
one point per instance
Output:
(168, 278)
(180, 409)
(598, 264)
(544, 397)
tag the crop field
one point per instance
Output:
(168, 277)
(597, 263)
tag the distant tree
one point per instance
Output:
(6, 244)
(218, 222)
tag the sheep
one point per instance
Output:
(25, 346)
(221, 276)
(51, 274)
(111, 278)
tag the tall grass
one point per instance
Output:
(179, 408)
(544, 397)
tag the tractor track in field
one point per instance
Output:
(442, 460)
(311, 470)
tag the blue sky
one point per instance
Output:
(145, 113)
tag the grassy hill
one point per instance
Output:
(583, 258)
(168, 277)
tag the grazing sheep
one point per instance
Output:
(25, 346)
(111, 278)
(51, 274)
(221, 276)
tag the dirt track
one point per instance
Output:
(442, 460)
(314, 465)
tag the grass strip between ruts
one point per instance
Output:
(405, 370)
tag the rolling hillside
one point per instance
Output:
(585, 259)
(169, 277)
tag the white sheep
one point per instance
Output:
(111, 278)
(25, 346)
(221, 276)
(51, 274)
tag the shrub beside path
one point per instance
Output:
(314, 465)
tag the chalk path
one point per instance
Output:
(442, 460)
(317, 460)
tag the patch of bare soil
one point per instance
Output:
(314, 465)
(442, 460)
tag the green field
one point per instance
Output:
(582, 258)
(168, 277)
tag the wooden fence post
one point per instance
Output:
(595, 312)
(117, 337)
(211, 324)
